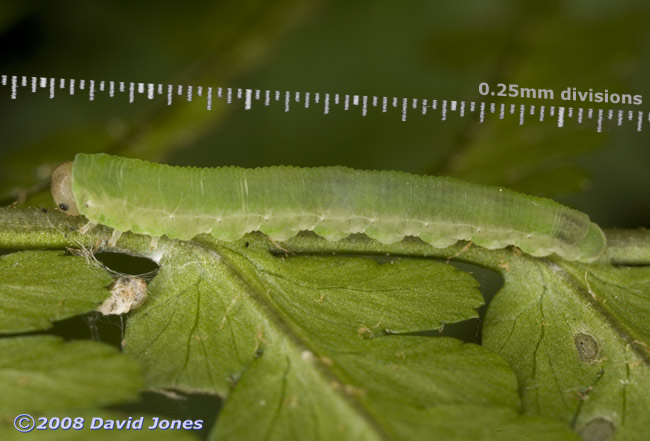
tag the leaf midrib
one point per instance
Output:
(287, 327)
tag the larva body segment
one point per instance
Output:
(228, 202)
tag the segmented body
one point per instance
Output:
(228, 202)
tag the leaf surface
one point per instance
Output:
(40, 287)
(318, 347)
(577, 337)
(43, 374)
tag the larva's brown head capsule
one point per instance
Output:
(62, 189)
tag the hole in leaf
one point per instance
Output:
(91, 326)
(490, 282)
(126, 264)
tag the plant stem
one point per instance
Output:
(36, 228)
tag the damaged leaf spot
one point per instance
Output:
(587, 347)
(598, 429)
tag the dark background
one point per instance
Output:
(422, 49)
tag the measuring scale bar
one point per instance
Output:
(248, 97)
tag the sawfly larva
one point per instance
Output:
(228, 202)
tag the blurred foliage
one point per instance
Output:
(423, 49)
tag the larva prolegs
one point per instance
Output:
(87, 227)
(115, 236)
(330, 234)
(383, 235)
(437, 240)
(443, 235)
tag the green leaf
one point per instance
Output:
(578, 339)
(305, 347)
(39, 287)
(403, 388)
(622, 294)
(229, 37)
(214, 303)
(44, 374)
(495, 157)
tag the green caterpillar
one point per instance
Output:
(228, 202)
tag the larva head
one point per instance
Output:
(62, 189)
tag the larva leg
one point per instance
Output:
(467, 246)
(277, 245)
(86, 228)
(114, 238)
(97, 246)
(153, 245)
